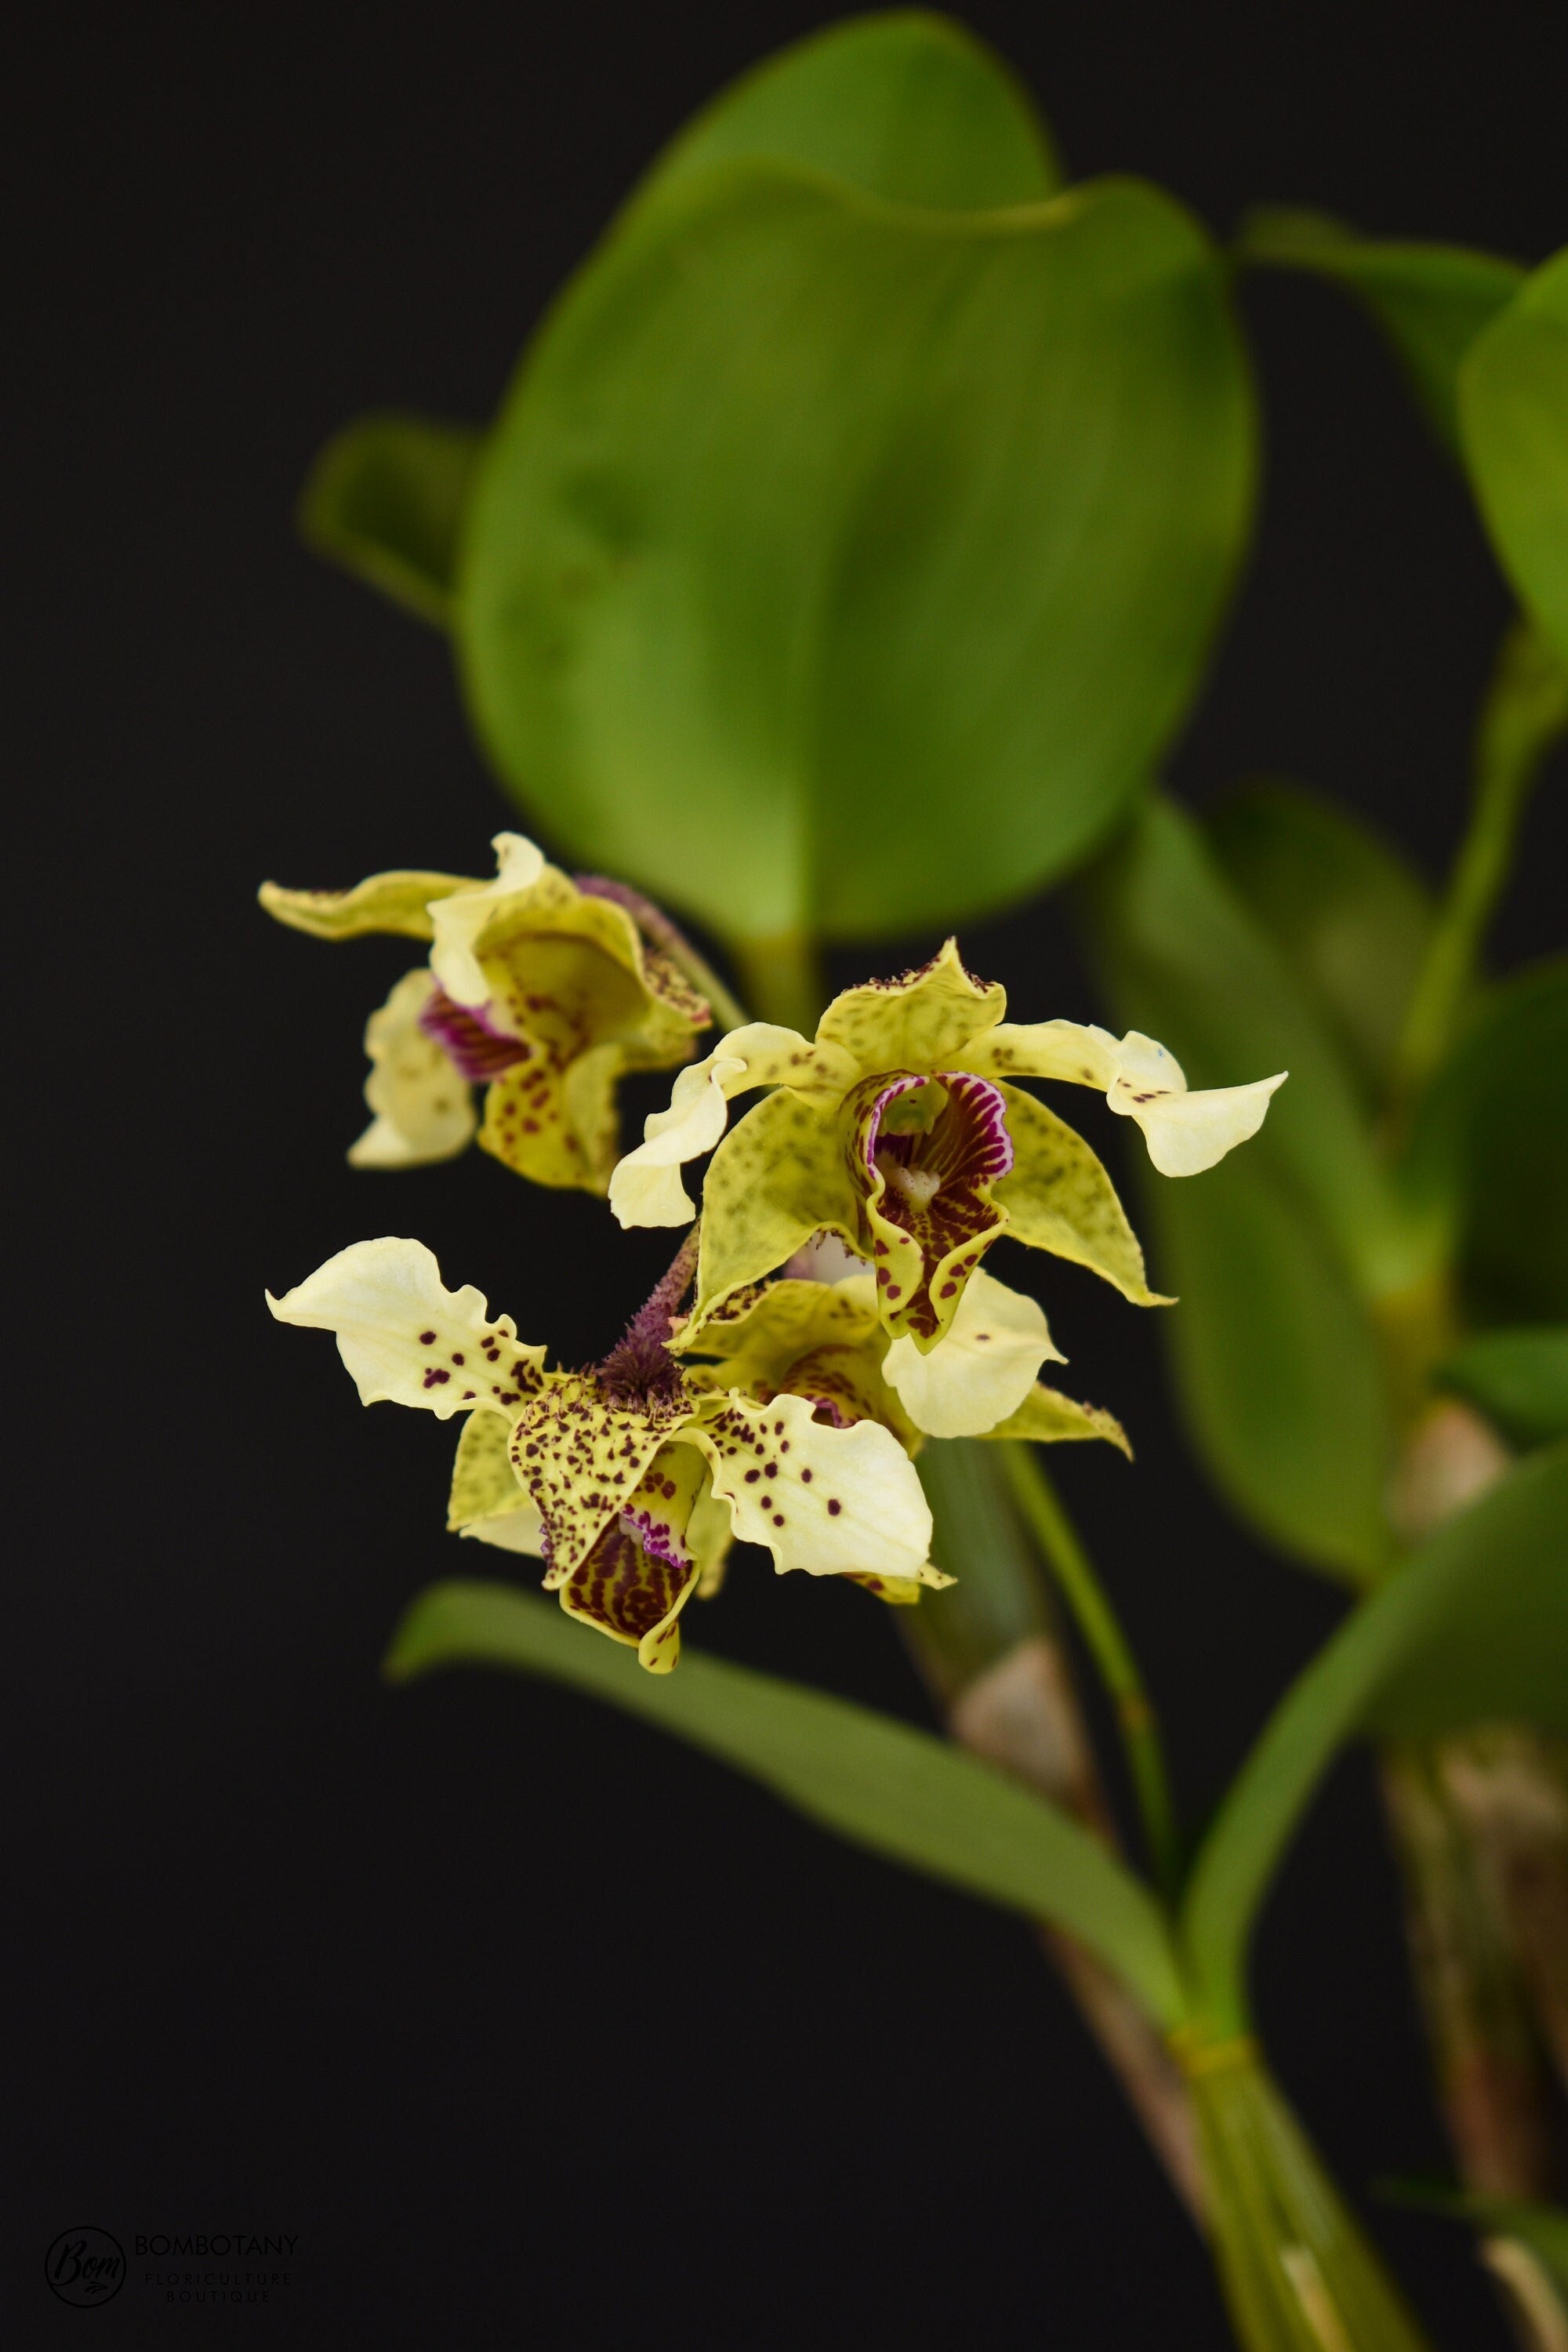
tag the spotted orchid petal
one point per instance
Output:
(423, 1105)
(583, 1459)
(646, 1188)
(407, 1339)
(777, 1178)
(487, 1500)
(640, 1570)
(820, 1340)
(981, 1370)
(922, 1021)
(832, 1502)
(395, 902)
(1185, 1132)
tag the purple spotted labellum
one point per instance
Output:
(925, 1156)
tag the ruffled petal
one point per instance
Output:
(981, 1370)
(424, 1106)
(408, 1339)
(397, 902)
(922, 1021)
(646, 1188)
(583, 1460)
(777, 1178)
(461, 918)
(832, 1502)
(487, 1500)
(1060, 1198)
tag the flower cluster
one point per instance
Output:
(841, 1315)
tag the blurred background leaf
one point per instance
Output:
(1513, 403)
(1518, 1377)
(384, 499)
(1473, 1628)
(1430, 300)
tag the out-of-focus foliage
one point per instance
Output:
(386, 499)
(1519, 1377)
(1430, 300)
(1513, 404)
(860, 457)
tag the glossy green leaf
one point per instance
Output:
(1430, 300)
(1519, 1378)
(384, 499)
(873, 1781)
(1351, 918)
(908, 105)
(1486, 1162)
(841, 566)
(1273, 1254)
(1513, 407)
(1472, 1628)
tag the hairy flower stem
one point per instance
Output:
(991, 1652)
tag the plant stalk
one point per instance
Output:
(1096, 1620)
(782, 976)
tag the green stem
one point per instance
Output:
(781, 978)
(1524, 713)
(1080, 1587)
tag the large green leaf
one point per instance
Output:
(1339, 904)
(1472, 1628)
(1519, 1377)
(1430, 300)
(908, 105)
(384, 499)
(840, 565)
(1272, 1255)
(877, 1782)
(1513, 409)
(1488, 1158)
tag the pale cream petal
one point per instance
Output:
(1082, 1055)
(645, 1187)
(1186, 1133)
(981, 1369)
(832, 1502)
(408, 1339)
(424, 1106)
(459, 920)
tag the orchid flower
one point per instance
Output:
(544, 992)
(899, 1128)
(628, 1480)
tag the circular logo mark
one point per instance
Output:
(85, 2266)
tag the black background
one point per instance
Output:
(532, 2027)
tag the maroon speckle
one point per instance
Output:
(834, 1508)
(427, 1339)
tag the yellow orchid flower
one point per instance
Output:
(628, 1480)
(544, 991)
(897, 1128)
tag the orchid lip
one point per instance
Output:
(470, 1039)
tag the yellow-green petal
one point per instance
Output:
(424, 1106)
(407, 1339)
(465, 916)
(1082, 1055)
(1049, 1418)
(821, 1340)
(981, 1369)
(486, 1500)
(832, 1502)
(1060, 1198)
(583, 1460)
(922, 1021)
(396, 902)
(778, 1177)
